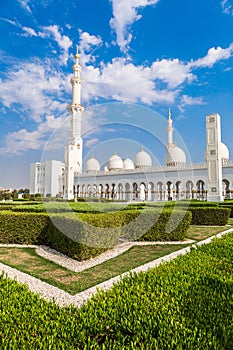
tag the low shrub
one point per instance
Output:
(69, 235)
(78, 207)
(6, 207)
(82, 236)
(39, 208)
(227, 205)
(213, 216)
(43, 208)
(22, 228)
(199, 204)
(158, 225)
(82, 239)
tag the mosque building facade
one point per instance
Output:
(128, 180)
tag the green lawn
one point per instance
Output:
(198, 233)
(27, 260)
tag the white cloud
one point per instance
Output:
(173, 72)
(53, 31)
(10, 21)
(227, 7)
(16, 143)
(92, 142)
(29, 31)
(213, 56)
(25, 5)
(33, 89)
(125, 13)
(123, 81)
(188, 100)
(50, 135)
(87, 41)
(63, 41)
(87, 44)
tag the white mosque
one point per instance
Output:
(134, 180)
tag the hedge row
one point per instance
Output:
(92, 207)
(211, 216)
(227, 204)
(41, 208)
(184, 304)
(6, 207)
(156, 225)
(88, 235)
(69, 207)
(70, 236)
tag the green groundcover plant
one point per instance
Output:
(184, 304)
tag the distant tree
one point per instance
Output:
(14, 194)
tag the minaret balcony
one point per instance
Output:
(75, 108)
(76, 80)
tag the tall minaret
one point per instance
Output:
(213, 158)
(74, 148)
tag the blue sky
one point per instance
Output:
(153, 54)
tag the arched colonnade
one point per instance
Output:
(153, 191)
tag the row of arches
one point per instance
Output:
(148, 192)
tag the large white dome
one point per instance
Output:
(142, 160)
(224, 153)
(128, 164)
(115, 162)
(175, 156)
(92, 165)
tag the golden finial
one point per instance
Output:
(77, 54)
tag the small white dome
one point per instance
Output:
(128, 164)
(115, 162)
(224, 152)
(175, 156)
(142, 160)
(92, 165)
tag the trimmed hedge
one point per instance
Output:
(22, 228)
(39, 208)
(227, 204)
(198, 204)
(68, 207)
(183, 304)
(6, 207)
(87, 235)
(70, 236)
(212, 216)
(79, 239)
(157, 225)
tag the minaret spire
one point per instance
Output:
(169, 129)
(74, 148)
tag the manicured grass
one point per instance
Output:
(198, 233)
(26, 260)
